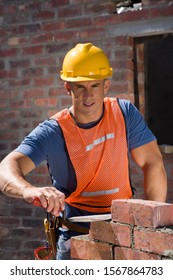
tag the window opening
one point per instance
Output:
(153, 84)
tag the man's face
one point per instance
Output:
(87, 99)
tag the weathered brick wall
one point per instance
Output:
(34, 37)
(139, 230)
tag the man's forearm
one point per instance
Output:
(12, 181)
(13, 169)
(155, 182)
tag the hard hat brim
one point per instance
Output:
(84, 78)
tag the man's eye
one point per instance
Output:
(95, 86)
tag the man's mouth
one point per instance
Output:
(88, 104)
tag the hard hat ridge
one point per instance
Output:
(85, 62)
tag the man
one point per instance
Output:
(86, 147)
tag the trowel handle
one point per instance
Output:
(36, 202)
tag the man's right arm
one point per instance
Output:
(13, 183)
(13, 168)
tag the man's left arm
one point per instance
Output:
(149, 158)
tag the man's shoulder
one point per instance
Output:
(47, 128)
(125, 104)
(118, 100)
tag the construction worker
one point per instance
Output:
(86, 147)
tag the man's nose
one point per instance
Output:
(88, 93)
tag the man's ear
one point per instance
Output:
(67, 88)
(107, 84)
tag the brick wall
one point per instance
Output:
(139, 230)
(34, 37)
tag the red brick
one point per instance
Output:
(19, 63)
(11, 221)
(75, 1)
(66, 35)
(65, 101)
(33, 50)
(69, 11)
(44, 15)
(92, 32)
(32, 223)
(8, 74)
(17, 211)
(58, 3)
(45, 61)
(33, 93)
(142, 212)
(19, 104)
(73, 23)
(31, 114)
(2, 65)
(9, 9)
(3, 146)
(10, 135)
(41, 169)
(9, 115)
(52, 112)
(83, 248)
(109, 232)
(33, 6)
(46, 102)
(3, 104)
(42, 38)
(122, 75)
(52, 70)
(135, 15)
(120, 88)
(9, 244)
(106, 20)
(40, 180)
(57, 25)
(29, 28)
(99, 8)
(32, 72)
(55, 48)
(15, 41)
(19, 83)
(124, 40)
(4, 232)
(47, 81)
(156, 241)
(122, 253)
(121, 211)
(56, 91)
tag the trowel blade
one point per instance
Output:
(90, 218)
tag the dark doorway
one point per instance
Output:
(158, 73)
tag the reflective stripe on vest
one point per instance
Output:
(100, 159)
(103, 192)
(100, 140)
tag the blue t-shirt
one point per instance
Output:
(46, 143)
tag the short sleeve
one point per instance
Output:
(36, 145)
(138, 132)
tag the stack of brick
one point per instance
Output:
(139, 230)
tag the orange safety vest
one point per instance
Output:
(100, 159)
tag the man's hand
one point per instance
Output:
(50, 198)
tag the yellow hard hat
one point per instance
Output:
(85, 62)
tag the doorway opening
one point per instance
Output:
(153, 84)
